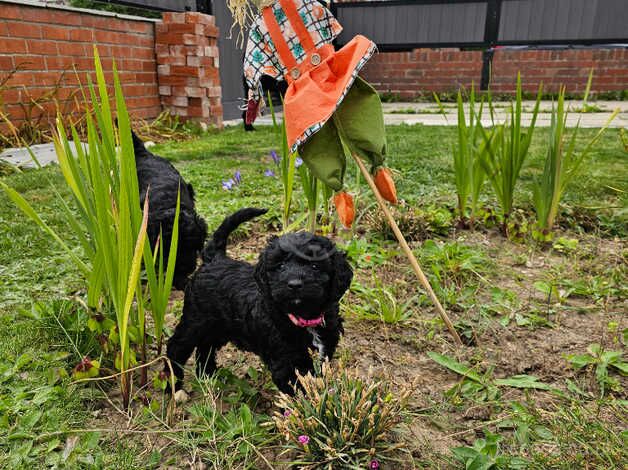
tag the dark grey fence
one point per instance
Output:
(397, 25)
(563, 21)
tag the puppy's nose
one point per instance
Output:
(295, 283)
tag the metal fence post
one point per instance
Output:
(491, 34)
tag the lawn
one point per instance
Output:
(528, 314)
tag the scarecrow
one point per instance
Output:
(329, 111)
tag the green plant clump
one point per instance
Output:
(340, 420)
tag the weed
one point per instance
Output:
(364, 254)
(481, 388)
(416, 223)
(380, 302)
(339, 419)
(485, 454)
(453, 263)
(602, 361)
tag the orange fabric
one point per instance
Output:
(296, 21)
(313, 96)
(345, 208)
(319, 89)
(386, 185)
(283, 50)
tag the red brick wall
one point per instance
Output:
(570, 67)
(411, 74)
(408, 74)
(46, 42)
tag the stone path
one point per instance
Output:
(44, 153)
(430, 114)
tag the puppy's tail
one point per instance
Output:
(218, 243)
(138, 144)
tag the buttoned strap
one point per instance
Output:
(298, 26)
(283, 50)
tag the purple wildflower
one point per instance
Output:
(269, 172)
(275, 157)
(227, 185)
(287, 413)
(237, 176)
(298, 162)
(303, 439)
(374, 464)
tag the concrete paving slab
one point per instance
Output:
(429, 114)
(44, 153)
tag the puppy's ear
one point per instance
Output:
(343, 274)
(260, 270)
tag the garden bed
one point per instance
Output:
(521, 309)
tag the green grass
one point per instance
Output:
(32, 269)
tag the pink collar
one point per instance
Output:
(300, 322)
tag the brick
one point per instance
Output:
(6, 63)
(23, 30)
(163, 70)
(171, 17)
(174, 101)
(172, 81)
(194, 92)
(211, 31)
(172, 60)
(201, 18)
(194, 40)
(34, 62)
(143, 53)
(42, 47)
(52, 32)
(161, 28)
(184, 70)
(12, 46)
(188, 28)
(165, 90)
(214, 91)
(211, 51)
(82, 35)
(11, 12)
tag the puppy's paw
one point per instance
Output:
(181, 396)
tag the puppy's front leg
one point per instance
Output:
(283, 369)
(329, 335)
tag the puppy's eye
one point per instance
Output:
(315, 267)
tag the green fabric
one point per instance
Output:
(359, 123)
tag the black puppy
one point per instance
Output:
(157, 177)
(278, 309)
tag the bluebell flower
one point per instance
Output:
(237, 176)
(275, 157)
(269, 172)
(298, 162)
(227, 185)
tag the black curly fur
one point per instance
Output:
(161, 180)
(232, 301)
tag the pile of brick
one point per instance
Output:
(186, 45)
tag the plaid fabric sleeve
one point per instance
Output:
(320, 22)
(259, 59)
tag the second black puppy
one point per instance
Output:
(160, 180)
(279, 309)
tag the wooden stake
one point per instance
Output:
(406, 249)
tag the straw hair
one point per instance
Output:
(244, 12)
